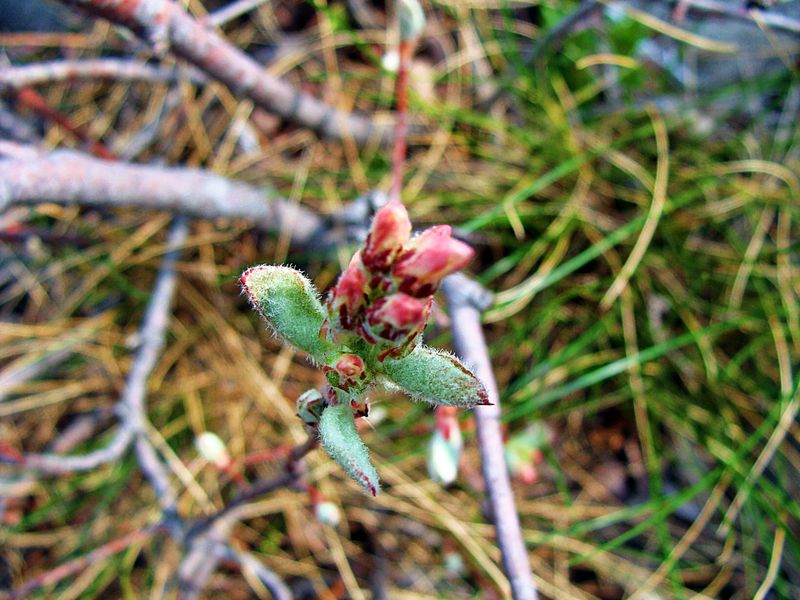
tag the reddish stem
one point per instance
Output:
(235, 475)
(401, 124)
(33, 100)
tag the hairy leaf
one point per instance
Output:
(288, 302)
(340, 438)
(436, 377)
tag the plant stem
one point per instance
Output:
(463, 300)
(401, 124)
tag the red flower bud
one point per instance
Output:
(348, 295)
(395, 316)
(346, 373)
(429, 258)
(390, 230)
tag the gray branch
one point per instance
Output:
(466, 299)
(15, 77)
(131, 405)
(167, 25)
(68, 177)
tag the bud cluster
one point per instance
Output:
(368, 331)
(386, 293)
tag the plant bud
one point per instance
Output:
(429, 258)
(391, 61)
(394, 317)
(436, 377)
(327, 513)
(412, 19)
(347, 373)
(288, 302)
(444, 450)
(212, 449)
(454, 564)
(340, 439)
(523, 450)
(309, 407)
(390, 230)
(348, 295)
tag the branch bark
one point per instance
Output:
(19, 76)
(165, 24)
(466, 299)
(68, 177)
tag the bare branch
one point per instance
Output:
(261, 487)
(68, 177)
(465, 299)
(57, 464)
(15, 77)
(167, 25)
(152, 338)
(130, 408)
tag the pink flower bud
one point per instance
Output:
(394, 317)
(347, 372)
(348, 295)
(429, 258)
(390, 230)
(523, 451)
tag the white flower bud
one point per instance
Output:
(212, 449)
(454, 564)
(391, 61)
(327, 513)
(412, 19)
(444, 455)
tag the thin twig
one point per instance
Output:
(466, 299)
(34, 100)
(19, 76)
(130, 407)
(206, 539)
(263, 486)
(275, 585)
(406, 51)
(167, 25)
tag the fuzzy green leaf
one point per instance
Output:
(340, 439)
(436, 377)
(288, 302)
